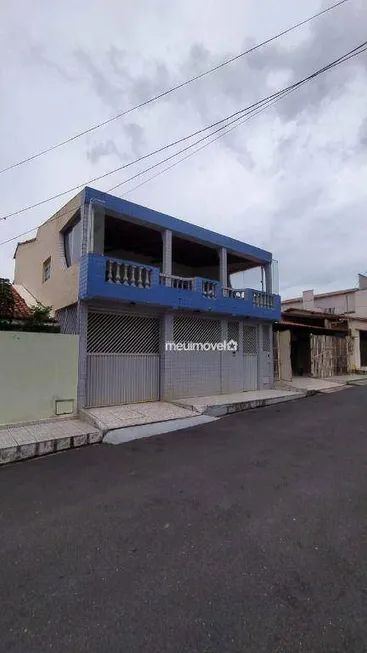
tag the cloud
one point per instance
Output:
(291, 179)
(96, 152)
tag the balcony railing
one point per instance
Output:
(173, 281)
(128, 274)
(166, 289)
(235, 293)
(208, 288)
(262, 300)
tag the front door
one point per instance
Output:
(250, 357)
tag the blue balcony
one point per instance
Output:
(102, 277)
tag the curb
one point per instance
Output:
(20, 452)
(239, 407)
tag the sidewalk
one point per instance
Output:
(128, 415)
(219, 405)
(19, 442)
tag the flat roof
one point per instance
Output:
(320, 295)
(177, 226)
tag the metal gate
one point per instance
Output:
(250, 357)
(122, 359)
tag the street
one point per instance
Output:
(248, 534)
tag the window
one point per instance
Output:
(72, 241)
(46, 271)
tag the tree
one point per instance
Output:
(6, 301)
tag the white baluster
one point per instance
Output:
(140, 280)
(147, 278)
(132, 277)
(118, 276)
(109, 273)
(125, 279)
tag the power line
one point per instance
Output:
(243, 120)
(171, 90)
(267, 102)
(342, 59)
(70, 211)
(238, 121)
(261, 102)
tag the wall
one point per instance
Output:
(36, 369)
(205, 373)
(342, 303)
(355, 327)
(296, 304)
(361, 303)
(62, 287)
(93, 284)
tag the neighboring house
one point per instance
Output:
(352, 301)
(352, 305)
(310, 343)
(12, 305)
(313, 343)
(129, 280)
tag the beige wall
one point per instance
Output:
(355, 302)
(343, 303)
(36, 369)
(296, 304)
(361, 303)
(62, 287)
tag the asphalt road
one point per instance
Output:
(245, 535)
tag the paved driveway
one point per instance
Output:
(245, 535)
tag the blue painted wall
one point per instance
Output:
(92, 285)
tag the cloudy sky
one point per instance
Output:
(292, 180)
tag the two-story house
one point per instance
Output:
(139, 286)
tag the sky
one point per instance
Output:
(292, 180)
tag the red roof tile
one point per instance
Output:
(19, 309)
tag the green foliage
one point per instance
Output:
(39, 315)
(6, 301)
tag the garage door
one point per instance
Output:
(122, 359)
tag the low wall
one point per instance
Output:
(38, 375)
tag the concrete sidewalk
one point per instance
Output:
(116, 417)
(331, 384)
(19, 442)
(219, 405)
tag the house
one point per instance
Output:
(323, 334)
(152, 301)
(12, 304)
(310, 343)
(352, 301)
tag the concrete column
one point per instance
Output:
(268, 279)
(85, 212)
(96, 228)
(223, 274)
(167, 254)
(166, 364)
(223, 269)
(82, 366)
